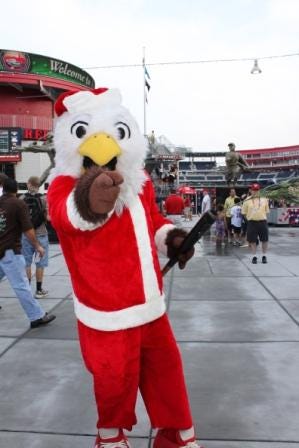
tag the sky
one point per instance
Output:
(202, 106)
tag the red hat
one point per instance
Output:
(255, 187)
(60, 107)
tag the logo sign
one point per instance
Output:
(17, 62)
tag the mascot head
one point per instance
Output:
(93, 128)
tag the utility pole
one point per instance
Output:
(144, 93)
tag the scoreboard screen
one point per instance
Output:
(10, 138)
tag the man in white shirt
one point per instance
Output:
(206, 202)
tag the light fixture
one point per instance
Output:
(255, 69)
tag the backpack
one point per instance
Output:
(36, 209)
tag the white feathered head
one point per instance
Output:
(93, 128)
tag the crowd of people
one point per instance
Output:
(240, 221)
(243, 221)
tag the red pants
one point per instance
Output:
(145, 357)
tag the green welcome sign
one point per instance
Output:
(18, 62)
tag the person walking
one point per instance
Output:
(15, 219)
(187, 208)
(255, 209)
(38, 212)
(228, 204)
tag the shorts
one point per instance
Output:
(228, 223)
(236, 230)
(28, 251)
(257, 229)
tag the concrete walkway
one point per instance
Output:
(237, 325)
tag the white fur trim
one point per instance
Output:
(85, 100)
(160, 237)
(118, 320)
(149, 275)
(75, 218)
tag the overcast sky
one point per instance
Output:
(203, 106)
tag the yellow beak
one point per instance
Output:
(101, 148)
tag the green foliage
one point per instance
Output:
(287, 190)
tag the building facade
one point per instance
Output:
(272, 159)
(29, 86)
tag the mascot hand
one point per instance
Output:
(173, 241)
(96, 193)
(104, 191)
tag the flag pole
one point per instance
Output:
(144, 93)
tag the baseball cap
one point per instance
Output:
(255, 187)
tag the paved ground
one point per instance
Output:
(237, 327)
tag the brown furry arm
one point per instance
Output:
(81, 196)
(174, 239)
(96, 193)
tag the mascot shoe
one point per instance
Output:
(120, 441)
(170, 438)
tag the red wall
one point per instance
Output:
(14, 102)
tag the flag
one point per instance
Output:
(146, 73)
(147, 84)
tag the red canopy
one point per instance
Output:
(186, 190)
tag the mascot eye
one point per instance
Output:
(79, 128)
(123, 130)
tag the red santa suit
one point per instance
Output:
(125, 336)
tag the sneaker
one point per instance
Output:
(244, 245)
(254, 260)
(169, 438)
(41, 294)
(264, 259)
(119, 441)
(42, 321)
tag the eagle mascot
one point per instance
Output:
(102, 205)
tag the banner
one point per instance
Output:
(18, 62)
